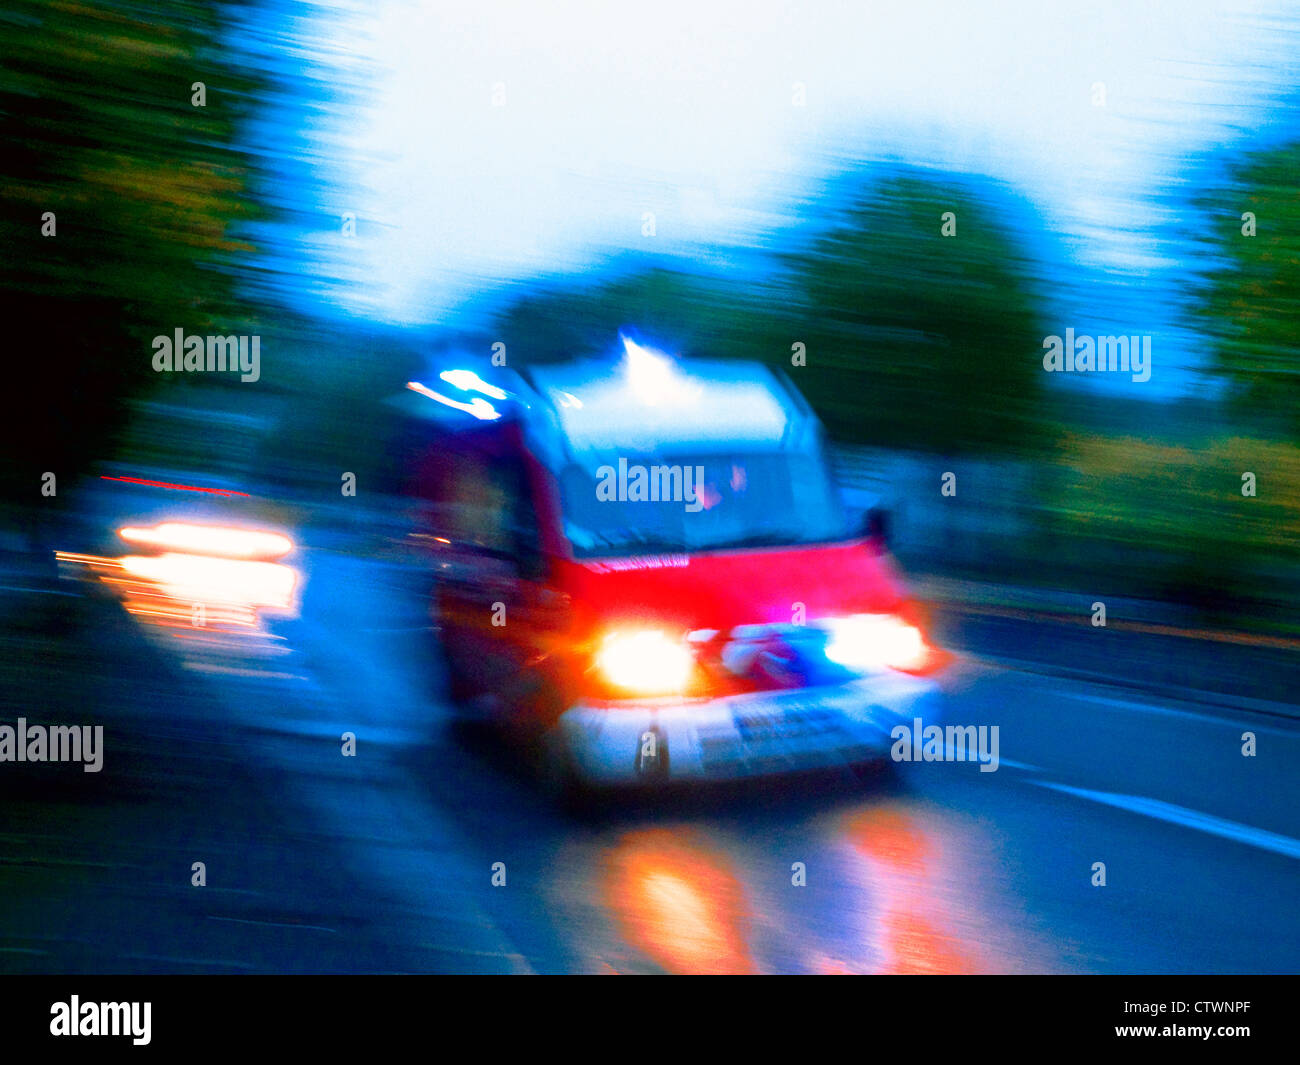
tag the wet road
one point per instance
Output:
(384, 862)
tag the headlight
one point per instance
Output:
(646, 663)
(226, 541)
(201, 579)
(873, 641)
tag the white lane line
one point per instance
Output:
(206, 962)
(950, 753)
(276, 924)
(1179, 815)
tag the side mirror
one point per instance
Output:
(875, 525)
(531, 564)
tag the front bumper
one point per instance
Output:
(756, 734)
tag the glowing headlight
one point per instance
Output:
(198, 578)
(209, 540)
(872, 641)
(647, 662)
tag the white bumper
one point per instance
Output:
(744, 735)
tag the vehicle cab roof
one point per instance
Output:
(645, 403)
(686, 406)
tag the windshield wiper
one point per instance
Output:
(655, 547)
(637, 542)
(772, 538)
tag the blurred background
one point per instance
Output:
(896, 205)
(368, 186)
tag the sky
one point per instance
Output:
(487, 143)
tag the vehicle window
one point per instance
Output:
(489, 507)
(651, 504)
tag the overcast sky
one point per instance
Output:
(504, 139)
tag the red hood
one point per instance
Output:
(724, 589)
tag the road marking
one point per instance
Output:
(950, 755)
(237, 671)
(276, 924)
(1179, 815)
(206, 962)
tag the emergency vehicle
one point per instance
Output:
(642, 566)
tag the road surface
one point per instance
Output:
(386, 861)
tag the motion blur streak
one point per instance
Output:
(678, 903)
(197, 578)
(211, 540)
(200, 598)
(177, 487)
(479, 408)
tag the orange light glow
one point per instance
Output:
(213, 606)
(917, 933)
(678, 904)
(203, 579)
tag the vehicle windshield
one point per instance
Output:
(637, 505)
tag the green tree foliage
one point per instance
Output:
(146, 190)
(909, 338)
(919, 339)
(1251, 305)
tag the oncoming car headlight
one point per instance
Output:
(875, 641)
(645, 662)
(221, 540)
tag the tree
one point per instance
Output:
(120, 201)
(897, 335)
(1251, 299)
(921, 321)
